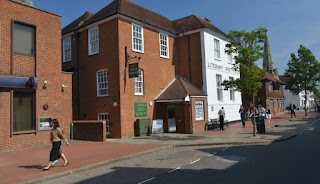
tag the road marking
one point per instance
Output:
(311, 128)
(147, 180)
(210, 155)
(174, 170)
(194, 161)
(225, 149)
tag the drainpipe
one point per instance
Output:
(189, 58)
(77, 36)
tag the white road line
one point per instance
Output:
(147, 180)
(174, 170)
(225, 149)
(210, 155)
(195, 161)
(311, 128)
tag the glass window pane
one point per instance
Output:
(23, 111)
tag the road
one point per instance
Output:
(292, 161)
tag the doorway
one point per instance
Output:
(171, 111)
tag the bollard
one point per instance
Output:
(71, 131)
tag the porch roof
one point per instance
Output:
(180, 89)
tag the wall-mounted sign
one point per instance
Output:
(140, 109)
(44, 123)
(133, 70)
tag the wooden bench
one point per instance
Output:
(212, 124)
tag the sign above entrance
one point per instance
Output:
(140, 109)
(133, 70)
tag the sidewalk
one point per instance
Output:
(25, 166)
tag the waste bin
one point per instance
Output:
(261, 128)
(142, 127)
(318, 108)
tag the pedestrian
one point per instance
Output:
(261, 110)
(292, 107)
(55, 137)
(252, 113)
(242, 112)
(221, 114)
(268, 114)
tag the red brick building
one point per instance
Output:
(33, 89)
(122, 58)
(271, 94)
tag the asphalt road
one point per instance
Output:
(293, 161)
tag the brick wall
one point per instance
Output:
(158, 73)
(45, 65)
(89, 131)
(189, 64)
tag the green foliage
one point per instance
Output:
(302, 72)
(248, 48)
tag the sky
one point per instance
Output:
(289, 22)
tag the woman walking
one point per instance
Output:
(55, 137)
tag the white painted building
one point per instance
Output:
(298, 99)
(217, 67)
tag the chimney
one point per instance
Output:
(206, 19)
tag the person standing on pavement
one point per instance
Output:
(268, 114)
(252, 112)
(55, 137)
(242, 112)
(292, 107)
(221, 114)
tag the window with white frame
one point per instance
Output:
(105, 117)
(67, 49)
(219, 88)
(93, 40)
(199, 110)
(137, 38)
(217, 49)
(102, 83)
(230, 58)
(138, 83)
(164, 45)
(232, 98)
(271, 103)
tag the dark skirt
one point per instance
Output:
(55, 151)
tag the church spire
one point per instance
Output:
(267, 59)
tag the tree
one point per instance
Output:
(247, 46)
(303, 73)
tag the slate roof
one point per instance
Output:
(283, 78)
(77, 23)
(194, 22)
(139, 13)
(179, 89)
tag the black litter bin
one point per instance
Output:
(261, 128)
(318, 108)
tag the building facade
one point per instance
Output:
(203, 62)
(123, 60)
(33, 89)
(297, 99)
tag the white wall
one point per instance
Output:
(211, 67)
(297, 99)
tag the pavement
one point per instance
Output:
(25, 166)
